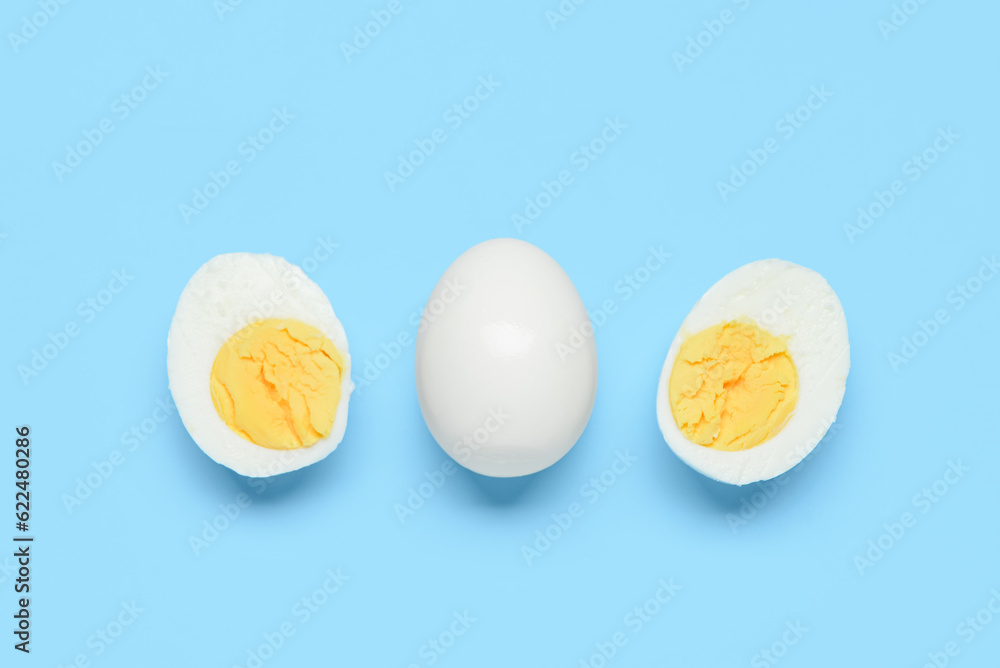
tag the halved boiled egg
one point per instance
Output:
(258, 365)
(756, 374)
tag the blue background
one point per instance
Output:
(656, 185)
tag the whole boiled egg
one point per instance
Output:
(506, 365)
(258, 365)
(756, 374)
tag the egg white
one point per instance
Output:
(788, 300)
(494, 350)
(227, 293)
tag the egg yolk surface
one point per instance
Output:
(276, 383)
(733, 386)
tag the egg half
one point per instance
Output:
(506, 365)
(258, 365)
(756, 374)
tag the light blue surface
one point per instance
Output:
(655, 185)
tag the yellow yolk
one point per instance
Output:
(733, 386)
(276, 383)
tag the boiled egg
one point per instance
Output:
(258, 365)
(506, 365)
(756, 374)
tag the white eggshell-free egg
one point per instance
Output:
(226, 294)
(504, 384)
(786, 300)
